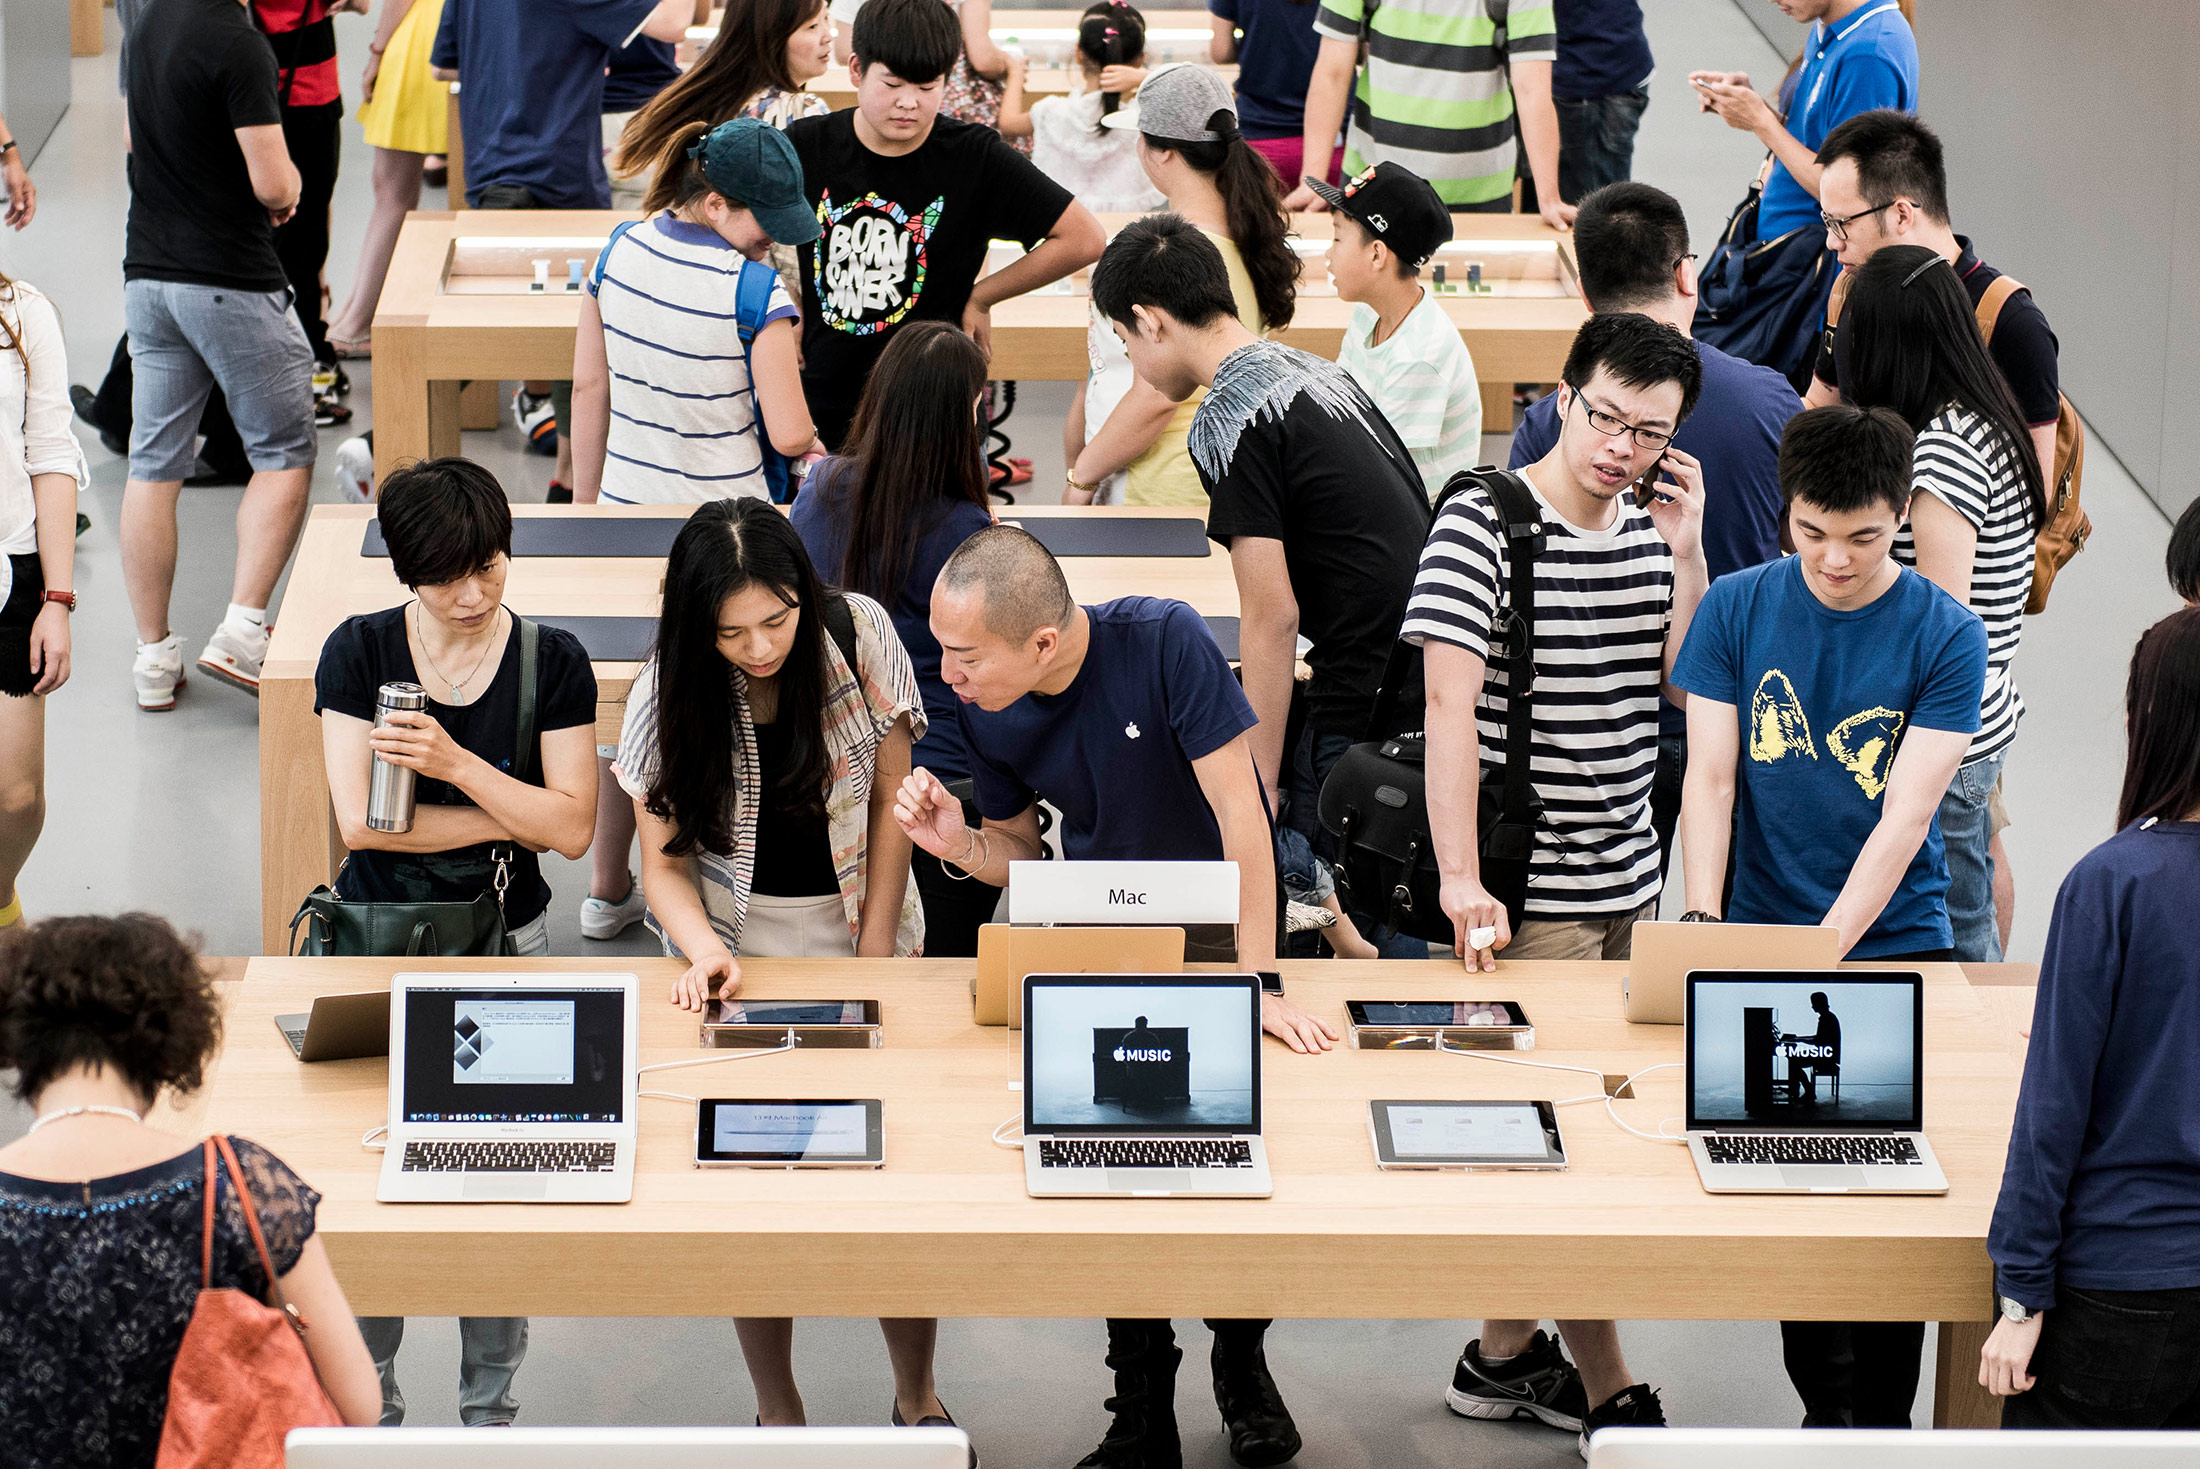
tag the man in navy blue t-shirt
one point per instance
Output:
(1631, 241)
(1600, 83)
(1831, 696)
(531, 75)
(1126, 718)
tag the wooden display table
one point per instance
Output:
(331, 580)
(946, 1228)
(459, 305)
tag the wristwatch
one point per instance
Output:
(1697, 915)
(1069, 478)
(66, 599)
(2011, 1311)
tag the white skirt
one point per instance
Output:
(796, 928)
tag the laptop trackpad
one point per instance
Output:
(483, 1188)
(1147, 1180)
(1814, 1175)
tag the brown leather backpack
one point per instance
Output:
(2068, 526)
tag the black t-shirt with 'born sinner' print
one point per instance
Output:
(903, 240)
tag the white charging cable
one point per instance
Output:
(1607, 1098)
(1016, 1143)
(375, 1138)
(710, 1061)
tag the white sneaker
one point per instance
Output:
(234, 653)
(603, 919)
(355, 469)
(158, 673)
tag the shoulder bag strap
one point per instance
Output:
(1523, 538)
(1989, 305)
(251, 1213)
(206, 1240)
(526, 760)
(841, 623)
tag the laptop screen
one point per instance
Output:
(509, 1055)
(1171, 1055)
(1817, 1051)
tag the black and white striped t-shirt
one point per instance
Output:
(1603, 601)
(1961, 461)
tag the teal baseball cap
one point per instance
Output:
(752, 163)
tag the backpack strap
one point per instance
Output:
(1523, 524)
(1989, 305)
(527, 759)
(595, 274)
(841, 623)
(752, 298)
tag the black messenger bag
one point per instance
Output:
(1375, 801)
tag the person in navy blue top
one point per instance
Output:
(2096, 1235)
(1274, 46)
(1631, 243)
(1831, 696)
(1600, 83)
(1126, 719)
(530, 103)
(882, 519)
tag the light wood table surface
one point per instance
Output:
(947, 1229)
(330, 581)
(428, 337)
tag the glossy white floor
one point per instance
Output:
(162, 813)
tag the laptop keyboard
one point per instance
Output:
(1126, 1152)
(1815, 1148)
(513, 1157)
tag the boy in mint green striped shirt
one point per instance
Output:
(1401, 346)
(1451, 90)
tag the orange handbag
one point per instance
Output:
(242, 1378)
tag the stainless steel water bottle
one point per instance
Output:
(390, 787)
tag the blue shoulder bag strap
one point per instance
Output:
(752, 298)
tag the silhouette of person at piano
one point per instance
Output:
(1823, 1058)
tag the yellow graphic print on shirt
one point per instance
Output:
(1864, 744)
(1777, 726)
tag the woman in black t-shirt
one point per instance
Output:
(449, 531)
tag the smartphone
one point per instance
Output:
(1646, 488)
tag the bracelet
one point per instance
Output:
(5, 147)
(1070, 478)
(960, 873)
(1697, 915)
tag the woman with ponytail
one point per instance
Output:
(1189, 146)
(1097, 164)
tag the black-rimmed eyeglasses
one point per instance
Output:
(1839, 228)
(1612, 427)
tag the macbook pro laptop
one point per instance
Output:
(340, 1027)
(1143, 1086)
(627, 1448)
(1808, 1082)
(1890, 1448)
(512, 1088)
(1663, 953)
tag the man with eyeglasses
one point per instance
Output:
(1631, 246)
(1884, 181)
(1616, 584)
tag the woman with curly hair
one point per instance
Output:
(100, 1211)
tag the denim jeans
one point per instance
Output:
(1596, 141)
(2114, 1359)
(1966, 827)
(490, 1349)
(1304, 770)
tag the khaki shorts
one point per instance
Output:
(1607, 937)
(1997, 813)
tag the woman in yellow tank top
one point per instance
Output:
(1190, 148)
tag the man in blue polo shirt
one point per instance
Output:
(1859, 55)
(1125, 718)
(1631, 242)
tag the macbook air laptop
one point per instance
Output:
(340, 1027)
(627, 1448)
(1143, 1086)
(1808, 1082)
(1888, 1448)
(512, 1088)
(1663, 953)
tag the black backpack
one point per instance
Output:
(1375, 801)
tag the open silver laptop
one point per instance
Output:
(1888, 1448)
(1805, 1082)
(512, 1088)
(1143, 1086)
(627, 1448)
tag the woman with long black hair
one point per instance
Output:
(2096, 1236)
(882, 519)
(765, 53)
(1190, 148)
(1977, 502)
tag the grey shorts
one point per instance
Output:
(184, 339)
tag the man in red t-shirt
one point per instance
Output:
(304, 41)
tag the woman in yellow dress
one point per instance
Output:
(405, 117)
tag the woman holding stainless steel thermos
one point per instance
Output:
(421, 710)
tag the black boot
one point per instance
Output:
(1143, 1355)
(1260, 1426)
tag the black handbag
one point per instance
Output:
(472, 929)
(1375, 801)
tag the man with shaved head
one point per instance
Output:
(1126, 717)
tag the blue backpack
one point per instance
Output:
(752, 297)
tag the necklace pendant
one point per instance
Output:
(457, 693)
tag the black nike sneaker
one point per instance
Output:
(1630, 1407)
(1539, 1383)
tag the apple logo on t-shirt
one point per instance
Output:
(870, 261)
